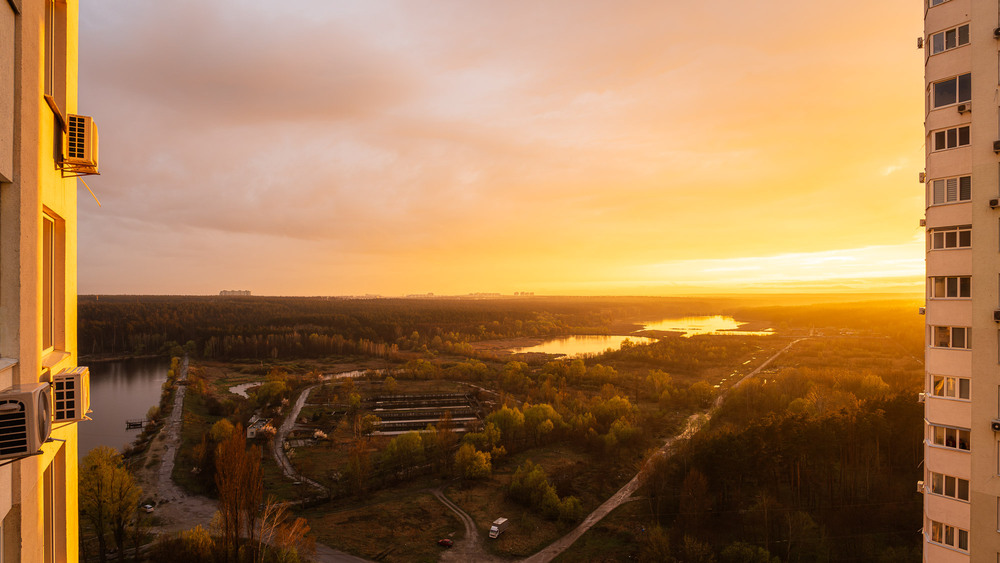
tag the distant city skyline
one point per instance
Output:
(351, 148)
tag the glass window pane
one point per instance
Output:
(963, 136)
(942, 336)
(965, 88)
(963, 388)
(936, 529)
(950, 39)
(963, 489)
(965, 287)
(949, 486)
(939, 141)
(963, 440)
(963, 35)
(938, 386)
(965, 188)
(938, 238)
(949, 535)
(938, 191)
(937, 285)
(951, 437)
(951, 239)
(952, 287)
(949, 387)
(937, 41)
(965, 238)
(937, 483)
(957, 337)
(963, 539)
(945, 93)
(938, 435)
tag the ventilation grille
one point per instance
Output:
(66, 396)
(13, 428)
(76, 144)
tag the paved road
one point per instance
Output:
(278, 444)
(694, 423)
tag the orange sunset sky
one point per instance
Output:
(560, 147)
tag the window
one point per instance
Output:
(951, 337)
(951, 138)
(951, 387)
(950, 190)
(949, 536)
(952, 91)
(53, 281)
(950, 237)
(946, 485)
(949, 39)
(951, 287)
(48, 277)
(55, 52)
(948, 437)
(933, 3)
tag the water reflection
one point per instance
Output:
(120, 391)
(574, 346)
(716, 324)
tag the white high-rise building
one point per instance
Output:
(961, 47)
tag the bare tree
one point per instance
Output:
(241, 487)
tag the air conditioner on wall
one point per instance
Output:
(996, 146)
(71, 394)
(25, 419)
(964, 108)
(921, 310)
(996, 315)
(920, 42)
(920, 486)
(80, 145)
(995, 425)
(923, 222)
(922, 177)
(921, 397)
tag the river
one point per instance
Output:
(119, 391)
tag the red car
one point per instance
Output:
(446, 542)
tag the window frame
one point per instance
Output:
(939, 486)
(940, 436)
(945, 534)
(951, 387)
(932, 3)
(962, 185)
(951, 333)
(938, 238)
(944, 39)
(962, 286)
(961, 91)
(958, 130)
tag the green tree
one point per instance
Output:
(472, 463)
(109, 497)
(221, 430)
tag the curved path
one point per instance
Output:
(278, 444)
(694, 423)
(470, 548)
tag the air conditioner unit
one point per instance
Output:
(996, 33)
(25, 419)
(922, 177)
(71, 394)
(921, 397)
(922, 310)
(80, 144)
(923, 222)
(964, 108)
(996, 315)
(920, 42)
(995, 425)
(996, 146)
(920, 486)
(994, 203)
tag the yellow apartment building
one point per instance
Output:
(43, 146)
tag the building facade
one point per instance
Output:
(38, 284)
(961, 482)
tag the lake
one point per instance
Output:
(715, 324)
(119, 391)
(576, 346)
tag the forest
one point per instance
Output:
(813, 459)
